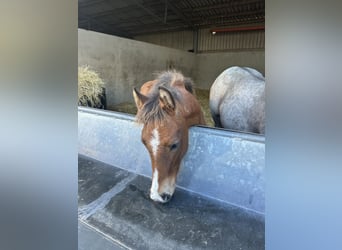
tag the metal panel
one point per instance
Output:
(221, 164)
(182, 40)
(240, 40)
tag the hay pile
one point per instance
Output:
(91, 90)
(203, 98)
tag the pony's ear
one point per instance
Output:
(139, 98)
(166, 100)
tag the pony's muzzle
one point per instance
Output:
(162, 193)
(166, 197)
(163, 198)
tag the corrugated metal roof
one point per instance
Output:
(130, 18)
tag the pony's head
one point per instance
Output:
(162, 109)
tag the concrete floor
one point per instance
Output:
(115, 212)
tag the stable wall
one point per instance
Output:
(124, 63)
(211, 65)
(206, 41)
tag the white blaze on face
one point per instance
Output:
(168, 186)
(155, 141)
(154, 195)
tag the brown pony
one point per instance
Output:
(166, 108)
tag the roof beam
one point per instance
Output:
(226, 16)
(157, 30)
(225, 6)
(214, 22)
(137, 28)
(178, 13)
(155, 25)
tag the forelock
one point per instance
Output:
(151, 110)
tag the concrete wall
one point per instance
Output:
(124, 63)
(210, 65)
(182, 40)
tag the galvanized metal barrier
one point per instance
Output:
(221, 164)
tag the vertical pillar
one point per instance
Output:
(195, 40)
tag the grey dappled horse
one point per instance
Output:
(237, 100)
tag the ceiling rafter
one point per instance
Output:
(131, 17)
(183, 17)
(224, 6)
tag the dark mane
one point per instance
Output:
(151, 111)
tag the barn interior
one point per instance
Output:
(219, 200)
(127, 42)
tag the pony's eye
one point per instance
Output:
(173, 146)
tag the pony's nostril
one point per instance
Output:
(166, 197)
